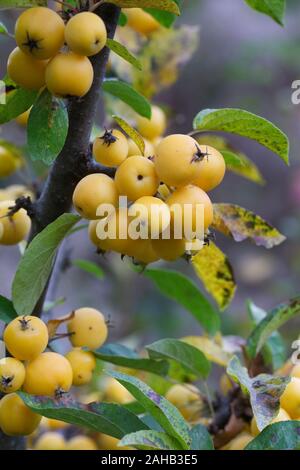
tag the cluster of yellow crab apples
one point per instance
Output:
(164, 189)
(33, 368)
(52, 54)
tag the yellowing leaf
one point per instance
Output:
(212, 350)
(215, 271)
(162, 57)
(240, 224)
(131, 132)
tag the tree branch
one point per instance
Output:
(75, 160)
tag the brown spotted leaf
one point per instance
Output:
(215, 271)
(240, 224)
(264, 391)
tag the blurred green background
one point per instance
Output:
(244, 60)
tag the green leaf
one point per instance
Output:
(279, 436)
(3, 28)
(215, 271)
(161, 409)
(165, 18)
(274, 320)
(181, 289)
(7, 311)
(150, 440)
(35, 267)
(47, 128)
(245, 124)
(123, 52)
(201, 439)
(122, 19)
(189, 357)
(17, 102)
(166, 5)
(89, 267)
(241, 165)
(122, 356)
(273, 351)
(264, 391)
(22, 3)
(240, 224)
(131, 132)
(129, 95)
(50, 305)
(273, 8)
(107, 418)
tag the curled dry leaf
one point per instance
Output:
(54, 324)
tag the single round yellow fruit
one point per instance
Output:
(15, 418)
(9, 162)
(152, 216)
(141, 21)
(177, 160)
(153, 127)
(26, 337)
(86, 34)
(187, 400)
(27, 72)
(239, 442)
(296, 371)
(95, 196)
(87, 328)
(22, 119)
(213, 169)
(133, 149)
(282, 416)
(12, 374)
(111, 149)
(48, 374)
(50, 441)
(116, 392)
(83, 364)
(81, 443)
(190, 206)
(15, 228)
(39, 32)
(136, 177)
(107, 442)
(169, 249)
(290, 399)
(69, 74)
